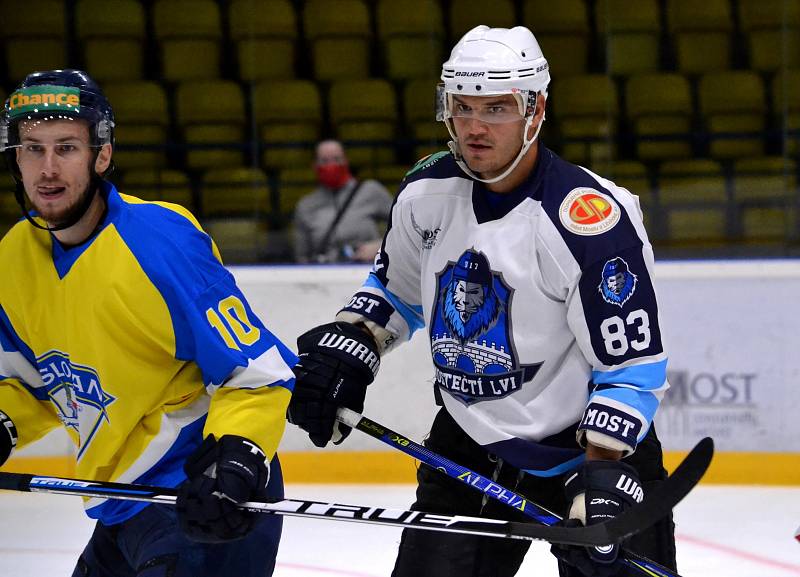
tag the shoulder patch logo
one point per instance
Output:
(618, 283)
(427, 161)
(428, 235)
(588, 212)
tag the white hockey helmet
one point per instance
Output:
(491, 61)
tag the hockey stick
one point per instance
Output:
(611, 532)
(656, 505)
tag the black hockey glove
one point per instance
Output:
(337, 362)
(221, 474)
(8, 437)
(598, 491)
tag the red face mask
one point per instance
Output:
(333, 176)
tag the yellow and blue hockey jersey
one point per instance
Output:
(139, 343)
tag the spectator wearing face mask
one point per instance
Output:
(339, 220)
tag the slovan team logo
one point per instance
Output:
(473, 351)
(76, 392)
(618, 283)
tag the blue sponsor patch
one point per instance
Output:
(611, 422)
(618, 282)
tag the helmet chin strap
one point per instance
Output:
(526, 144)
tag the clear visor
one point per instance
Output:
(18, 135)
(492, 109)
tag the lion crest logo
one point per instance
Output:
(618, 283)
(473, 351)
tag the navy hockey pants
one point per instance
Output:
(435, 554)
(151, 544)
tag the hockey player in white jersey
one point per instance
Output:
(533, 280)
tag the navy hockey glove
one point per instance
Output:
(337, 363)
(8, 437)
(221, 474)
(598, 491)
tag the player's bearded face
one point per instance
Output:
(487, 147)
(55, 161)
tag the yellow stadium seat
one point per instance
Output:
(411, 35)
(693, 198)
(264, 34)
(188, 33)
(112, 33)
(629, 174)
(26, 55)
(140, 110)
(211, 116)
(772, 29)
(562, 30)
(587, 110)
(364, 114)
(630, 32)
(659, 107)
(166, 185)
(390, 175)
(765, 190)
(339, 37)
(467, 14)
(235, 192)
(633, 175)
(239, 240)
(786, 108)
(419, 105)
(288, 114)
(33, 19)
(294, 184)
(732, 106)
(701, 33)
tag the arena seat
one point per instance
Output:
(210, 113)
(659, 108)
(188, 34)
(288, 115)
(701, 34)
(562, 30)
(364, 114)
(692, 198)
(411, 35)
(629, 32)
(113, 35)
(339, 36)
(264, 33)
(142, 122)
(772, 30)
(732, 106)
(165, 184)
(586, 108)
(467, 14)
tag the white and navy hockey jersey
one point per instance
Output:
(539, 305)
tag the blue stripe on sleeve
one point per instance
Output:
(646, 377)
(412, 314)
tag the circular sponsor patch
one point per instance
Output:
(587, 211)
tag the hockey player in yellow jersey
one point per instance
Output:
(119, 323)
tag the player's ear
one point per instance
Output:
(103, 160)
